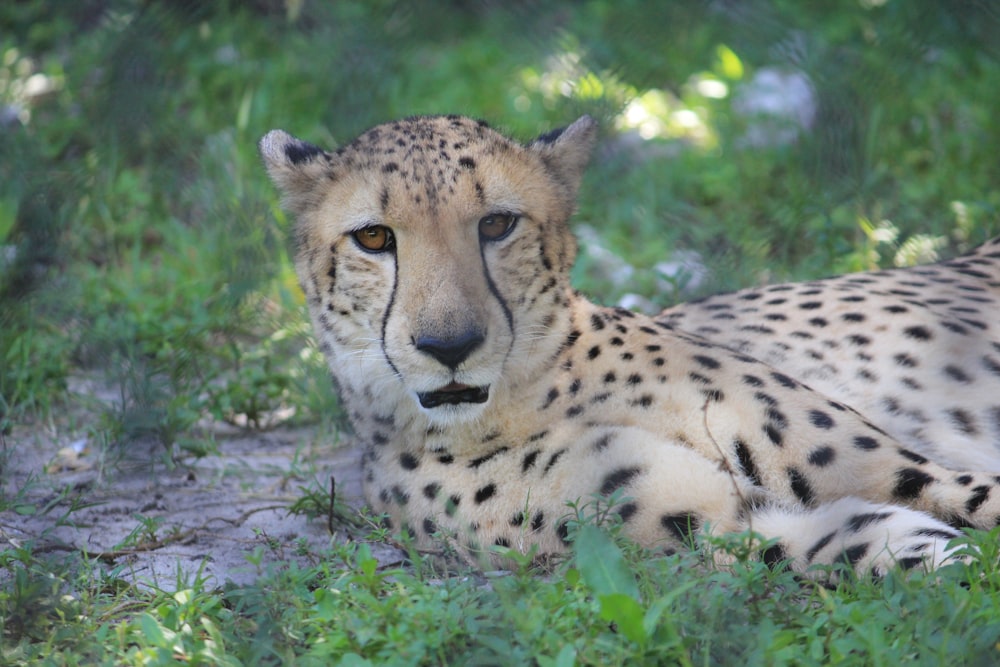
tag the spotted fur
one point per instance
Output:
(853, 420)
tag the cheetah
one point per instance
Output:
(435, 253)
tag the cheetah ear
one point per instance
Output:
(296, 168)
(566, 151)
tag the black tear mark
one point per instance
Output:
(618, 478)
(910, 482)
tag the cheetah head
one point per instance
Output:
(434, 254)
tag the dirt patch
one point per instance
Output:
(224, 517)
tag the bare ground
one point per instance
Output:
(224, 517)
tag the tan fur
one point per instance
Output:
(584, 400)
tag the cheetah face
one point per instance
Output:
(429, 251)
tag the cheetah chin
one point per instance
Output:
(852, 421)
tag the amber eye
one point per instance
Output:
(375, 239)
(495, 226)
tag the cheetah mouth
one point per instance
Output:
(454, 394)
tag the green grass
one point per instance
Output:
(142, 244)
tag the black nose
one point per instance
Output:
(450, 351)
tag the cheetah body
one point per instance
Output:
(434, 253)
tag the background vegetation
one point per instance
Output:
(140, 243)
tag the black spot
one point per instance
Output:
(451, 505)
(699, 378)
(912, 456)
(446, 459)
(965, 422)
(773, 434)
(552, 461)
(596, 322)
(501, 542)
(852, 555)
(550, 397)
(617, 479)
(562, 531)
(978, 497)
(909, 562)
(752, 381)
(707, 362)
(627, 511)
(432, 490)
(467, 162)
(819, 545)
(905, 360)
(746, 461)
(645, 401)
(485, 493)
(517, 519)
(964, 480)
(811, 305)
(800, 486)
(429, 527)
(616, 341)
(859, 522)
(957, 374)
(574, 387)
(853, 317)
(859, 340)
(574, 411)
(714, 395)
(529, 460)
(594, 352)
(400, 496)
(822, 456)
(633, 379)
(820, 419)
(918, 333)
(936, 533)
(535, 437)
(537, 521)
(475, 463)
(774, 556)
(681, 526)
(609, 377)
(298, 152)
(895, 309)
(390, 167)
(602, 442)
(910, 482)
(408, 461)
(784, 380)
(818, 322)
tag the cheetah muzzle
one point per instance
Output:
(852, 420)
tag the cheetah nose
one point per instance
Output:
(450, 351)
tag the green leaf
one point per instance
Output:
(602, 565)
(626, 613)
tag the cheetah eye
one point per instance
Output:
(376, 238)
(496, 226)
